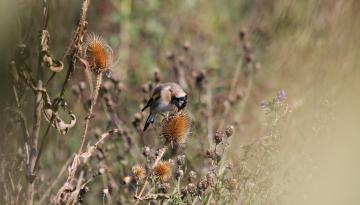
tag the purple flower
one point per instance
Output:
(281, 96)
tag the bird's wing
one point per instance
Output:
(155, 96)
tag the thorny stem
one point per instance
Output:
(161, 154)
(88, 118)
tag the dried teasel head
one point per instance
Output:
(138, 172)
(98, 53)
(176, 127)
(164, 188)
(163, 170)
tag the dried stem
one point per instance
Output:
(89, 117)
(161, 154)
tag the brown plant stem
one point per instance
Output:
(89, 117)
(161, 154)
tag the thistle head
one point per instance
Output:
(163, 170)
(176, 127)
(98, 53)
(138, 172)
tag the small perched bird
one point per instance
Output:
(163, 98)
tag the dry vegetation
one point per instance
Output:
(272, 115)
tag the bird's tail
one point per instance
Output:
(149, 120)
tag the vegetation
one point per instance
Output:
(271, 116)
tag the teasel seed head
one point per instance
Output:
(164, 188)
(98, 53)
(138, 172)
(163, 170)
(183, 191)
(229, 131)
(176, 127)
(210, 177)
(203, 184)
(219, 136)
(180, 160)
(191, 188)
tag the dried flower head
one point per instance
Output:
(191, 188)
(163, 170)
(203, 184)
(138, 172)
(176, 127)
(164, 188)
(98, 53)
(219, 136)
(180, 160)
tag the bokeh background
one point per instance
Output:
(309, 48)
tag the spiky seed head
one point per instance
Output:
(164, 188)
(203, 184)
(180, 160)
(191, 188)
(98, 53)
(176, 127)
(163, 170)
(138, 172)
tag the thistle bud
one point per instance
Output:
(191, 188)
(180, 160)
(229, 131)
(179, 174)
(192, 176)
(146, 151)
(219, 136)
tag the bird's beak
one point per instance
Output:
(180, 103)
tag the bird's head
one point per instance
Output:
(179, 102)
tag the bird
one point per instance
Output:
(164, 97)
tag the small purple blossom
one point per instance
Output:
(281, 96)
